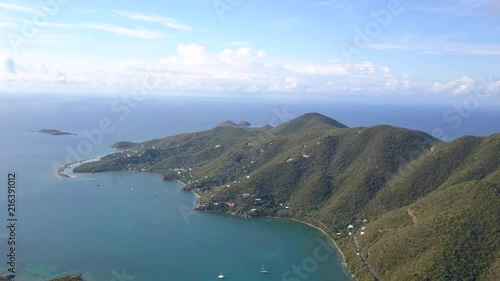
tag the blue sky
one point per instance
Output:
(383, 47)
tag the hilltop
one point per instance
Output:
(400, 204)
(229, 123)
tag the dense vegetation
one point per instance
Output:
(420, 209)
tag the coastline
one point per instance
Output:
(62, 170)
(192, 191)
(344, 263)
(328, 236)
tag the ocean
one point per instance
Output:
(97, 225)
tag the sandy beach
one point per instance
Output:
(67, 170)
(344, 263)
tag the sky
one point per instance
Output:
(330, 48)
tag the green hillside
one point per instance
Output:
(420, 209)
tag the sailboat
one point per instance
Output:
(263, 270)
(221, 275)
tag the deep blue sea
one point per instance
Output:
(95, 224)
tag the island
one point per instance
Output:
(398, 203)
(55, 132)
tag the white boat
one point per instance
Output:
(221, 275)
(263, 270)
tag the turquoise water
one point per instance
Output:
(95, 224)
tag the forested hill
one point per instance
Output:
(419, 208)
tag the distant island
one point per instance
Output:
(54, 132)
(399, 204)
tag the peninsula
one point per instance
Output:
(400, 204)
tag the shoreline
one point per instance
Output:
(329, 237)
(61, 171)
(192, 191)
(344, 263)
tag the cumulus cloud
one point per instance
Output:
(468, 86)
(237, 69)
(456, 87)
(191, 50)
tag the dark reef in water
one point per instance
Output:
(77, 277)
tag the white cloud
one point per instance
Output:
(196, 68)
(168, 22)
(119, 30)
(191, 50)
(455, 8)
(466, 85)
(477, 49)
(115, 29)
(5, 24)
(12, 6)
(141, 33)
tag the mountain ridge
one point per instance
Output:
(390, 183)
